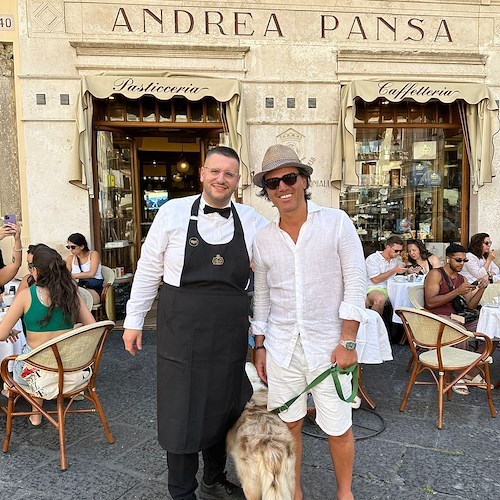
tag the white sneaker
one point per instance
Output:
(356, 403)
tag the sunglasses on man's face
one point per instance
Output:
(460, 260)
(70, 247)
(274, 182)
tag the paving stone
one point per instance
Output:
(410, 460)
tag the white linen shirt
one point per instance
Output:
(307, 288)
(474, 270)
(376, 264)
(162, 254)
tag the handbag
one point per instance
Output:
(459, 304)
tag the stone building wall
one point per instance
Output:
(9, 166)
(281, 51)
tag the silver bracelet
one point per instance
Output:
(18, 250)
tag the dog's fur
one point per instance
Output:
(262, 448)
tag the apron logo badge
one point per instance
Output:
(193, 242)
(218, 260)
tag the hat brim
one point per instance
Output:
(258, 179)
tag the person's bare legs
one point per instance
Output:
(342, 452)
(36, 419)
(296, 430)
(376, 301)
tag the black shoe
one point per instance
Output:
(220, 490)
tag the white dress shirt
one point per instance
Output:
(474, 270)
(162, 254)
(307, 288)
(376, 264)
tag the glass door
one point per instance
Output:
(117, 228)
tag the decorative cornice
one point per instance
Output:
(158, 50)
(415, 56)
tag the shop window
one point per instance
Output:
(411, 178)
(151, 110)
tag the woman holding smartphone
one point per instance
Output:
(420, 260)
(480, 264)
(85, 265)
(8, 271)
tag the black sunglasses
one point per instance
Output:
(70, 247)
(274, 182)
(460, 260)
(30, 265)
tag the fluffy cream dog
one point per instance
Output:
(262, 448)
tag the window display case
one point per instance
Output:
(409, 185)
(115, 202)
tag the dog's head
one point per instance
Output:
(257, 384)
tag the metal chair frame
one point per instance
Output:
(52, 356)
(438, 336)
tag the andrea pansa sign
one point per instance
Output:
(177, 24)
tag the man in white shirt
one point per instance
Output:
(380, 266)
(202, 248)
(309, 298)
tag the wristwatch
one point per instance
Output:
(350, 345)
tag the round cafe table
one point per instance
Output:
(489, 322)
(398, 295)
(8, 348)
(373, 345)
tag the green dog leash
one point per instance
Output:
(334, 371)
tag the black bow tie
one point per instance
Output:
(224, 212)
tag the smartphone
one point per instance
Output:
(9, 219)
(475, 283)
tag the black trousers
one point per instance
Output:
(182, 470)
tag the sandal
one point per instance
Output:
(461, 388)
(478, 379)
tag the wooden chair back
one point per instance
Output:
(430, 331)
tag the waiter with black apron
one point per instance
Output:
(201, 246)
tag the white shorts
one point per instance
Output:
(333, 415)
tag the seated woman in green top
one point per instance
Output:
(49, 308)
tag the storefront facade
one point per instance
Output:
(394, 105)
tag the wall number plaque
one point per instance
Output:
(6, 23)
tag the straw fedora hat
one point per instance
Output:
(278, 156)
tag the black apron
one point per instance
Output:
(202, 343)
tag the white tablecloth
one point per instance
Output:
(373, 346)
(8, 349)
(492, 290)
(489, 321)
(398, 295)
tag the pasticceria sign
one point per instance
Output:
(283, 24)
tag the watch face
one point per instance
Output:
(350, 345)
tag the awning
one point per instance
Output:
(482, 121)
(163, 86)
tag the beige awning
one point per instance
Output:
(482, 121)
(163, 86)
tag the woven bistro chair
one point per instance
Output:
(87, 297)
(416, 296)
(99, 310)
(446, 363)
(65, 360)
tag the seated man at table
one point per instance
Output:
(380, 266)
(444, 284)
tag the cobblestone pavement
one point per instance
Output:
(410, 459)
